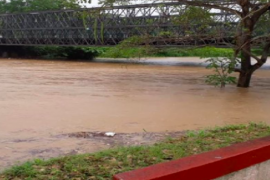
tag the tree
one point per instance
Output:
(15, 6)
(249, 14)
(223, 67)
(201, 20)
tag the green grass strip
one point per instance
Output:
(129, 52)
(104, 164)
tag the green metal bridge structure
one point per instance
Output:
(159, 24)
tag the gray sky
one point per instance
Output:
(95, 2)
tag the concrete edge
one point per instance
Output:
(205, 166)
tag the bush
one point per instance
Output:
(223, 67)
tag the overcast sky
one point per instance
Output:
(95, 2)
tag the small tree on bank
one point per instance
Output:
(249, 14)
(223, 67)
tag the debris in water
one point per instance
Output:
(110, 134)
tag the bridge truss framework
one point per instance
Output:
(157, 23)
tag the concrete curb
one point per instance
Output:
(207, 165)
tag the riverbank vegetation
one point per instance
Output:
(116, 52)
(89, 53)
(50, 52)
(104, 164)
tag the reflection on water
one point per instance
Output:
(43, 98)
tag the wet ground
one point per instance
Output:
(43, 102)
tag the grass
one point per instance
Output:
(104, 164)
(116, 52)
(130, 52)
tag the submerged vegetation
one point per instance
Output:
(223, 68)
(104, 164)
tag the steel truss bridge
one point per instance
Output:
(158, 24)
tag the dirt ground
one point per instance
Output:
(17, 151)
(126, 139)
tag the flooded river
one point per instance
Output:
(41, 100)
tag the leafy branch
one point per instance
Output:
(223, 67)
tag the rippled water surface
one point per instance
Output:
(42, 99)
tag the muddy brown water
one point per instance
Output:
(41, 100)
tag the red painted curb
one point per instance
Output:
(207, 165)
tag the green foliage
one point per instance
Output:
(133, 47)
(223, 67)
(194, 20)
(82, 53)
(83, 17)
(165, 34)
(14, 6)
(220, 80)
(92, 20)
(56, 52)
(133, 41)
(102, 32)
(116, 52)
(193, 52)
(262, 26)
(136, 52)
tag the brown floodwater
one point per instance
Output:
(40, 100)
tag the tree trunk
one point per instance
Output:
(244, 79)
(244, 41)
(244, 38)
(246, 67)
